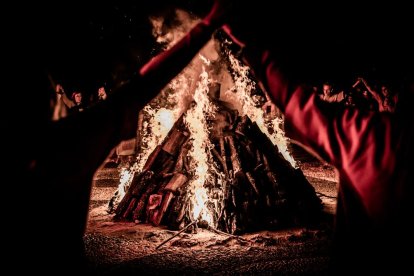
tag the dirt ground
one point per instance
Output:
(116, 248)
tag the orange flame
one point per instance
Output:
(244, 85)
(196, 121)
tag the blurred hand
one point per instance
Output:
(102, 93)
(59, 89)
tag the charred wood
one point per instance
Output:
(179, 166)
(154, 201)
(174, 141)
(221, 161)
(166, 200)
(130, 208)
(139, 211)
(234, 156)
(242, 125)
(252, 182)
(176, 182)
(138, 185)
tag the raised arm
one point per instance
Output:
(377, 96)
(62, 95)
(115, 119)
(162, 68)
(356, 143)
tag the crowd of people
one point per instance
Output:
(371, 151)
(362, 96)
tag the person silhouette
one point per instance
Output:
(371, 151)
(55, 161)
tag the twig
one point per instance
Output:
(179, 232)
(224, 233)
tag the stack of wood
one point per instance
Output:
(260, 188)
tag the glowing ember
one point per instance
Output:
(244, 87)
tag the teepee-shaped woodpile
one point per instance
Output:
(253, 186)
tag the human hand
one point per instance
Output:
(363, 81)
(102, 93)
(59, 89)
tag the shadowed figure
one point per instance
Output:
(51, 187)
(55, 161)
(371, 152)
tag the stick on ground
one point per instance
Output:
(178, 233)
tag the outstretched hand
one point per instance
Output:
(59, 89)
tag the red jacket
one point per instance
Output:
(368, 151)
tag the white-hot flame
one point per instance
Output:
(124, 181)
(160, 115)
(155, 129)
(196, 121)
(243, 85)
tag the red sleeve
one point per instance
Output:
(74, 147)
(358, 144)
(162, 68)
(154, 76)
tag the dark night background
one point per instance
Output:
(82, 46)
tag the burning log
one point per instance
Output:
(130, 208)
(250, 151)
(138, 185)
(252, 182)
(174, 141)
(176, 215)
(158, 215)
(234, 156)
(176, 182)
(151, 159)
(259, 161)
(221, 161)
(137, 214)
(154, 201)
(242, 125)
(253, 185)
(167, 166)
(223, 154)
(276, 188)
(179, 166)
